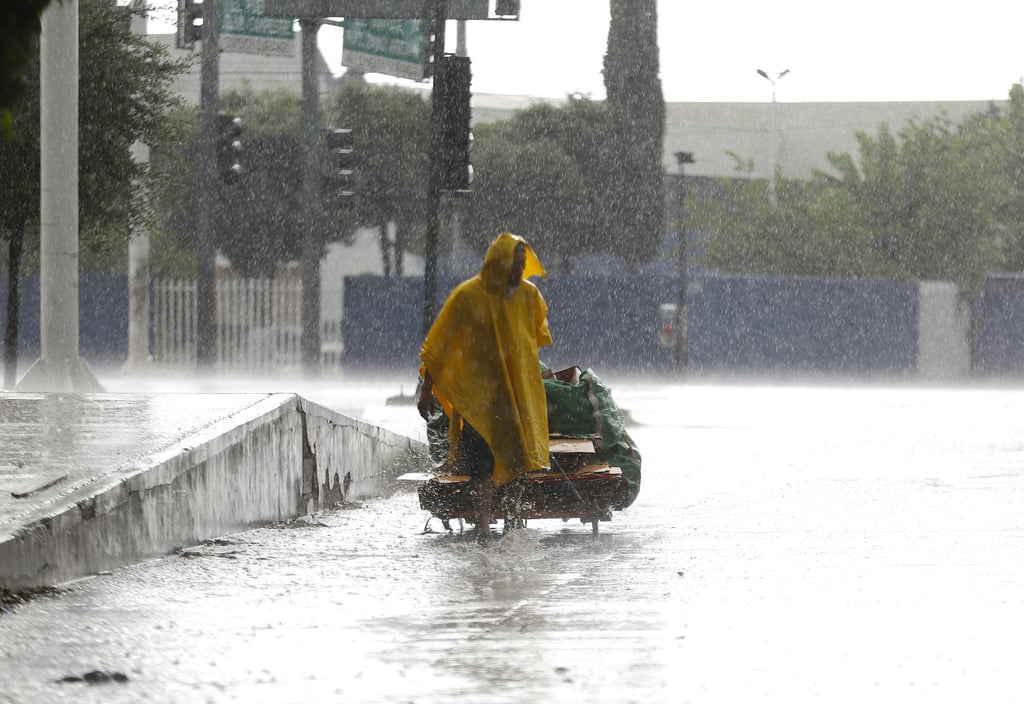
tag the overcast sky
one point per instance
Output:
(872, 50)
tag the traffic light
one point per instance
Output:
(452, 81)
(338, 163)
(190, 23)
(429, 45)
(229, 148)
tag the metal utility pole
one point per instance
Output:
(434, 176)
(59, 367)
(311, 208)
(775, 131)
(682, 316)
(206, 279)
(460, 38)
(138, 249)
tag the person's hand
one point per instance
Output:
(425, 401)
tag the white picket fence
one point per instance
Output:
(259, 325)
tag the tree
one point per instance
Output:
(391, 131)
(930, 200)
(811, 231)
(533, 189)
(125, 90)
(20, 24)
(258, 220)
(636, 110)
(1009, 152)
(580, 130)
(919, 204)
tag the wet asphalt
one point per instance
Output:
(788, 544)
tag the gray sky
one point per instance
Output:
(872, 50)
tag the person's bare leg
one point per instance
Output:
(485, 494)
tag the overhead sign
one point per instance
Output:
(392, 47)
(384, 9)
(246, 28)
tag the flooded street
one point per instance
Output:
(788, 544)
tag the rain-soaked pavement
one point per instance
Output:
(788, 544)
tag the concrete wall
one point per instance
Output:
(286, 458)
(787, 326)
(997, 322)
(943, 332)
(747, 325)
(737, 324)
(102, 318)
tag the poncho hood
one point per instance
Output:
(498, 262)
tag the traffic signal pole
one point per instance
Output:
(311, 208)
(682, 314)
(209, 94)
(434, 175)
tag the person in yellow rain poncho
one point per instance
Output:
(481, 361)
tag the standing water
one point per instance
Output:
(788, 543)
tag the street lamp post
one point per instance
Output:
(682, 318)
(775, 130)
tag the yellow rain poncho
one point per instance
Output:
(481, 353)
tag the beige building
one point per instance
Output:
(803, 133)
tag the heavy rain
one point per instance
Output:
(286, 415)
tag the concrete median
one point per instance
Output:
(92, 482)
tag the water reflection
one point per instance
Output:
(787, 544)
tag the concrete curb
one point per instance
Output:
(282, 457)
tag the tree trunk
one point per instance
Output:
(14, 246)
(385, 248)
(399, 249)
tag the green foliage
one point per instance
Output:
(125, 89)
(935, 201)
(124, 97)
(391, 131)
(806, 234)
(532, 189)
(636, 110)
(257, 222)
(580, 129)
(20, 24)
(1008, 152)
(544, 174)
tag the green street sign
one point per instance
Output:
(389, 9)
(244, 28)
(392, 47)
